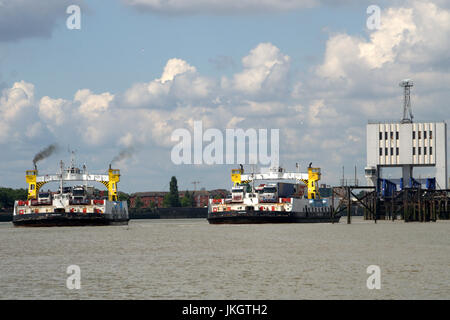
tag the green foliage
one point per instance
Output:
(124, 197)
(166, 201)
(172, 198)
(138, 202)
(8, 196)
(188, 200)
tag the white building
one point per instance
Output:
(407, 145)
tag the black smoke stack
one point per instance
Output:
(124, 154)
(44, 153)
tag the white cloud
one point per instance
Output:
(179, 82)
(360, 76)
(410, 36)
(16, 108)
(52, 110)
(15, 99)
(93, 105)
(265, 69)
(175, 67)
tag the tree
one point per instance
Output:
(172, 198)
(188, 200)
(138, 202)
(166, 201)
(8, 196)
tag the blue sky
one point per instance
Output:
(118, 46)
(320, 74)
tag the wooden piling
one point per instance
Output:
(349, 206)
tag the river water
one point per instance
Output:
(190, 259)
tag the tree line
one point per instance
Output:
(9, 195)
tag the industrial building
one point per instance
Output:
(404, 144)
(407, 144)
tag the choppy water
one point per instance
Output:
(190, 259)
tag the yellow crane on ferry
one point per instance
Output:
(310, 178)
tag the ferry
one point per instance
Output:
(75, 205)
(284, 197)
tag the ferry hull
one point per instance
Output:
(248, 217)
(67, 219)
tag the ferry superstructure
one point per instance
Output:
(273, 202)
(70, 206)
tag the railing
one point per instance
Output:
(399, 121)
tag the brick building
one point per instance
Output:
(157, 197)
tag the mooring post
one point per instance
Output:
(332, 205)
(349, 210)
(394, 212)
(405, 203)
(420, 205)
(444, 209)
(434, 210)
(375, 209)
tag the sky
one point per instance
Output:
(137, 70)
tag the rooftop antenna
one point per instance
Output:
(72, 156)
(407, 111)
(72, 159)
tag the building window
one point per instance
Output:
(424, 151)
(424, 134)
(431, 151)
(420, 150)
(392, 151)
(386, 152)
(418, 134)
(385, 136)
(381, 151)
(414, 134)
(392, 135)
(381, 135)
(397, 151)
(396, 135)
(414, 151)
(431, 134)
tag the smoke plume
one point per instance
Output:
(45, 153)
(124, 154)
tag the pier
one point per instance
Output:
(409, 204)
